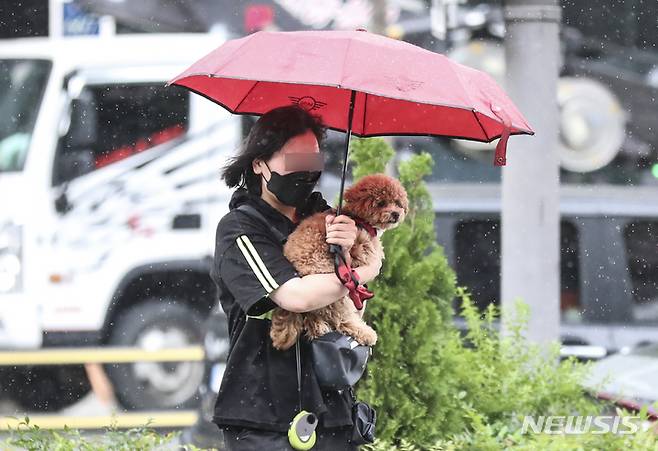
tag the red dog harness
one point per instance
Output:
(347, 275)
(365, 226)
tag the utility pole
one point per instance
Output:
(55, 19)
(379, 25)
(530, 186)
(378, 20)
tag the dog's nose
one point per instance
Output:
(395, 215)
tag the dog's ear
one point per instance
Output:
(355, 194)
(361, 196)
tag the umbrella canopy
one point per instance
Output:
(400, 89)
(358, 82)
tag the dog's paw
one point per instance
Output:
(366, 336)
(360, 331)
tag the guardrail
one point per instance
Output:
(91, 357)
(77, 356)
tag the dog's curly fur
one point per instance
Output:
(377, 199)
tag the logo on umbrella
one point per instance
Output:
(403, 83)
(307, 103)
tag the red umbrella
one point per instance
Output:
(358, 82)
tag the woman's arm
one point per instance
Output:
(303, 294)
(312, 292)
(363, 310)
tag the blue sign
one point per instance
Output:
(78, 22)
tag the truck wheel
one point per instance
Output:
(157, 324)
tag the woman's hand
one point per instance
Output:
(341, 230)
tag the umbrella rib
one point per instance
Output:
(474, 110)
(347, 88)
(519, 131)
(477, 118)
(461, 82)
(342, 74)
(246, 95)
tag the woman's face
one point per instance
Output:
(300, 153)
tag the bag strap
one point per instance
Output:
(299, 374)
(352, 395)
(255, 214)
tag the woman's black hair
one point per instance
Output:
(267, 136)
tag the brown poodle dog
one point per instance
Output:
(381, 203)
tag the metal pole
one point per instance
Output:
(530, 182)
(348, 135)
(378, 20)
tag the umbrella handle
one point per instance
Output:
(335, 249)
(348, 135)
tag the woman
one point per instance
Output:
(275, 173)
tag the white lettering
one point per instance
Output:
(631, 424)
(529, 422)
(578, 424)
(601, 422)
(554, 422)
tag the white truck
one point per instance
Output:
(109, 198)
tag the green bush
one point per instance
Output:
(435, 388)
(31, 437)
(410, 308)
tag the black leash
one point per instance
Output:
(301, 434)
(299, 374)
(255, 214)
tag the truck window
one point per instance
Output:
(477, 264)
(642, 250)
(114, 121)
(22, 83)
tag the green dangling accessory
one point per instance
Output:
(301, 434)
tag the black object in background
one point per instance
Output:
(23, 18)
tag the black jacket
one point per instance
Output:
(259, 386)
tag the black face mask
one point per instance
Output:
(292, 189)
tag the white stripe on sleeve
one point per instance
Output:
(259, 262)
(254, 267)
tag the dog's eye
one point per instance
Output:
(398, 203)
(381, 203)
